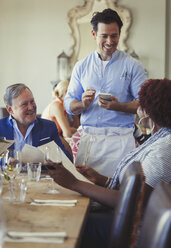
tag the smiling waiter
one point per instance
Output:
(107, 125)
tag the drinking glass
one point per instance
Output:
(58, 155)
(2, 223)
(1, 183)
(52, 184)
(1, 173)
(12, 164)
(11, 167)
(34, 171)
(19, 190)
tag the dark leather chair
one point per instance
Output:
(3, 112)
(156, 226)
(128, 209)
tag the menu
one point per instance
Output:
(4, 144)
(37, 154)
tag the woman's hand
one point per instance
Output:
(91, 175)
(61, 175)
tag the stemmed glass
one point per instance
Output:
(11, 168)
(1, 183)
(47, 159)
(2, 211)
(1, 173)
(58, 155)
(2, 223)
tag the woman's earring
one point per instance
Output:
(152, 128)
(139, 122)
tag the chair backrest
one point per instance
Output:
(128, 209)
(156, 226)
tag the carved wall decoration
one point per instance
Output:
(75, 14)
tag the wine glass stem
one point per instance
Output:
(53, 186)
(11, 190)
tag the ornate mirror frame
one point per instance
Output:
(79, 11)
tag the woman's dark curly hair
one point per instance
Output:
(107, 16)
(155, 99)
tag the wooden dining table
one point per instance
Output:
(23, 217)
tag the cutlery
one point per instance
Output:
(55, 237)
(54, 201)
(53, 204)
(36, 234)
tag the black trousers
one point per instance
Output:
(98, 228)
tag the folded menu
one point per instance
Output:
(5, 144)
(38, 155)
(36, 237)
(55, 152)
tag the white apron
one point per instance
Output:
(103, 148)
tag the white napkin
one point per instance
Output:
(59, 203)
(36, 237)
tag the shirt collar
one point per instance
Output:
(114, 55)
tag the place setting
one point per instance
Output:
(30, 192)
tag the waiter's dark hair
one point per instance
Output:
(107, 16)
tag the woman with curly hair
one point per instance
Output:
(154, 154)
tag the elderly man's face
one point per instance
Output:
(24, 108)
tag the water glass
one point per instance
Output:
(52, 189)
(18, 191)
(34, 171)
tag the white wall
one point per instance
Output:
(147, 34)
(34, 32)
(168, 39)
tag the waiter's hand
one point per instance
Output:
(109, 105)
(88, 97)
(127, 107)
